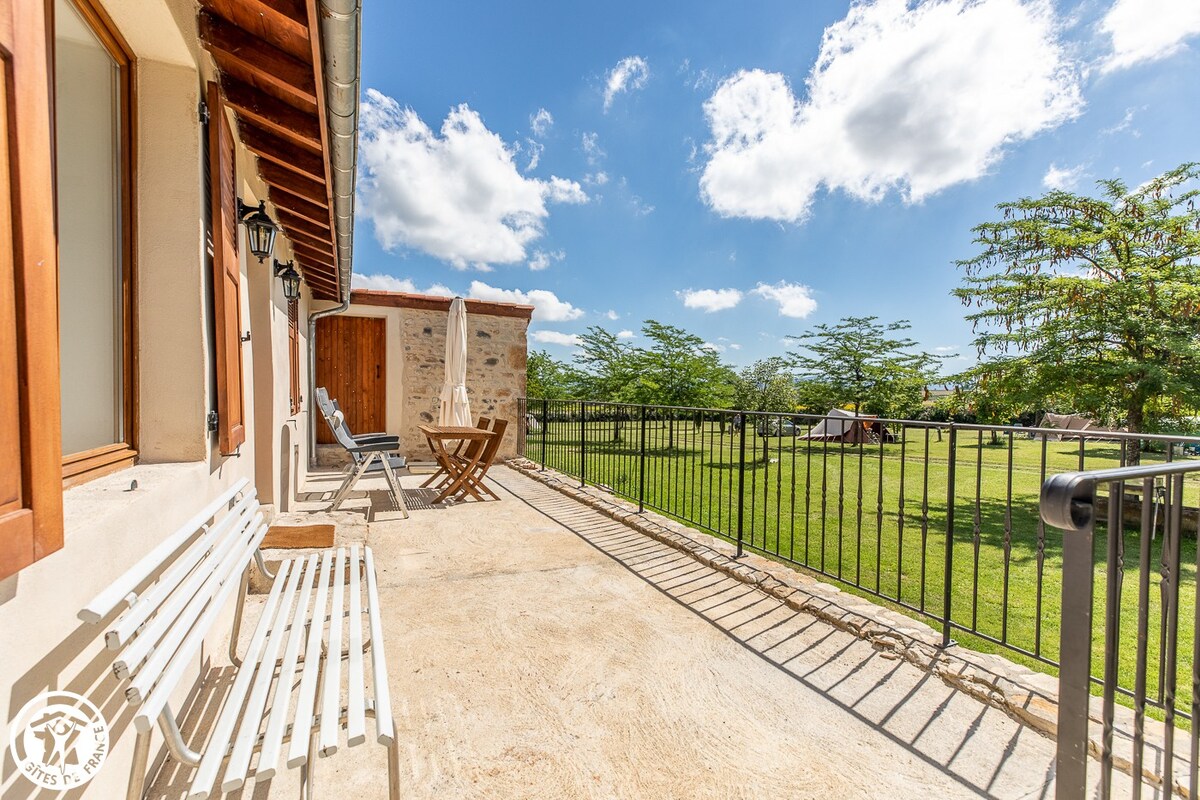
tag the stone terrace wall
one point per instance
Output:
(496, 351)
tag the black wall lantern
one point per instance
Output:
(260, 229)
(290, 278)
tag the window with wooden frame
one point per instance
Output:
(31, 516)
(294, 355)
(94, 189)
(227, 276)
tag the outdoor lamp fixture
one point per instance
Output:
(290, 278)
(260, 229)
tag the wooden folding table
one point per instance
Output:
(461, 471)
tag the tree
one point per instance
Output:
(606, 370)
(606, 367)
(860, 362)
(992, 396)
(1096, 300)
(765, 385)
(547, 378)
(679, 369)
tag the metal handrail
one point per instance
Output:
(1068, 500)
(1091, 433)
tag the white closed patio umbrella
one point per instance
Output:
(456, 408)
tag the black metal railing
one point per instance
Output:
(940, 520)
(1165, 658)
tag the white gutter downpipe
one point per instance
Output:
(341, 35)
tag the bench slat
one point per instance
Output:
(112, 597)
(272, 744)
(385, 730)
(306, 698)
(247, 735)
(161, 636)
(356, 725)
(231, 712)
(332, 684)
(157, 597)
(181, 661)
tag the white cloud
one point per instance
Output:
(1065, 178)
(555, 337)
(794, 299)
(541, 122)
(387, 283)
(626, 334)
(543, 259)
(1125, 123)
(640, 207)
(906, 99)
(714, 347)
(590, 141)
(546, 305)
(612, 315)
(945, 348)
(596, 178)
(535, 154)
(1148, 30)
(455, 194)
(735, 346)
(710, 300)
(629, 74)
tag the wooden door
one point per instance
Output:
(350, 365)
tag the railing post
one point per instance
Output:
(642, 463)
(741, 482)
(582, 443)
(1075, 651)
(947, 577)
(545, 429)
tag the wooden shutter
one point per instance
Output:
(294, 354)
(227, 274)
(31, 517)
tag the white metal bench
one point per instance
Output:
(285, 701)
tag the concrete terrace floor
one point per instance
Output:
(537, 648)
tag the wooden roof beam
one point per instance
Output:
(292, 183)
(232, 46)
(311, 256)
(321, 243)
(315, 278)
(288, 15)
(311, 213)
(274, 115)
(277, 150)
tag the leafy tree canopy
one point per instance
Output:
(865, 364)
(606, 367)
(548, 378)
(1093, 301)
(766, 385)
(679, 369)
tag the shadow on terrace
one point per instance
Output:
(539, 648)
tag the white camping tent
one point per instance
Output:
(841, 426)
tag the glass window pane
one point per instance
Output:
(88, 165)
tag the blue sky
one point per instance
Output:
(745, 171)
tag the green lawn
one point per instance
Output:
(873, 516)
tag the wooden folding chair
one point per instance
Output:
(473, 480)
